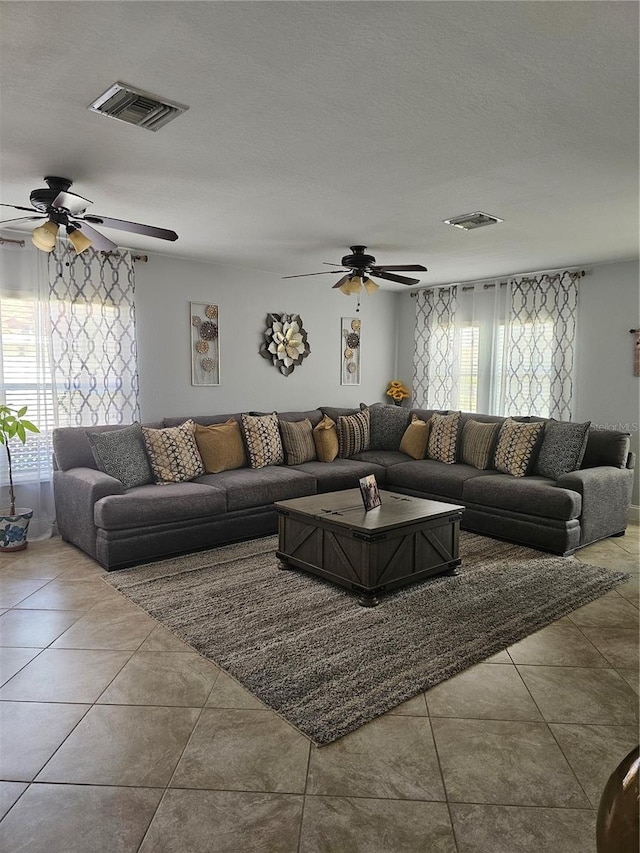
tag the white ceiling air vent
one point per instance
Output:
(472, 220)
(136, 107)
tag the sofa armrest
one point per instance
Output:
(606, 497)
(75, 492)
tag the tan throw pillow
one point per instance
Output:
(173, 453)
(325, 438)
(478, 441)
(263, 441)
(353, 433)
(221, 447)
(297, 440)
(516, 444)
(443, 437)
(415, 438)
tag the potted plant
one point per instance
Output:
(14, 523)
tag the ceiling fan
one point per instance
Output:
(60, 207)
(360, 268)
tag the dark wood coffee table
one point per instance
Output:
(405, 540)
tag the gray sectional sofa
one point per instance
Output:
(122, 527)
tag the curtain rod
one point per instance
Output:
(492, 282)
(143, 258)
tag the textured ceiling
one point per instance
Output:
(314, 126)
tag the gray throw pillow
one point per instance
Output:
(121, 454)
(562, 449)
(387, 426)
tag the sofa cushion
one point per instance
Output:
(385, 458)
(341, 473)
(415, 438)
(262, 436)
(387, 426)
(353, 433)
(204, 420)
(335, 412)
(443, 437)
(121, 454)
(517, 443)
(297, 441)
(563, 446)
(250, 487)
(606, 447)
(478, 443)
(428, 476)
(221, 446)
(534, 495)
(313, 415)
(173, 453)
(325, 438)
(158, 504)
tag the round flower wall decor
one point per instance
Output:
(285, 342)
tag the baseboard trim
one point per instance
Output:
(634, 514)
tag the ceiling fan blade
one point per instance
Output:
(98, 240)
(17, 207)
(405, 267)
(324, 272)
(19, 218)
(136, 227)
(329, 264)
(342, 281)
(389, 276)
(75, 204)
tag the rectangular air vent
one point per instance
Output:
(136, 107)
(472, 220)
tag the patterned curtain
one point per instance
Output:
(92, 314)
(435, 363)
(539, 346)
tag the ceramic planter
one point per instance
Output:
(13, 529)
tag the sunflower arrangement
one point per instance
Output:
(398, 392)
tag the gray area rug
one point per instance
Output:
(306, 649)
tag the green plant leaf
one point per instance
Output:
(31, 427)
(22, 411)
(20, 431)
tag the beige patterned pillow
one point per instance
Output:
(262, 436)
(325, 438)
(353, 433)
(173, 453)
(515, 447)
(443, 437)
(415, 438)
(478, 440)
(297, 441)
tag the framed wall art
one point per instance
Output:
(205, 344)
(350, 351)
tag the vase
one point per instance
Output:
(13, 529)
(617, 823)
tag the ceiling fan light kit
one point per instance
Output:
(79, 241)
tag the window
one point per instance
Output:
(26, 381)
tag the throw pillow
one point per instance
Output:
(415, 438)
(387, 426)
(478, 442)
(325, 438)
(562, 448)
(221, 446)
(353, 433)
(121, 454)
(173, 453)
(297, 440)
(443, 437)
(262, 437)
(516, 445)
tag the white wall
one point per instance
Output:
(606, 391)
(164, 288)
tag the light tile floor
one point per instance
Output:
(116, 737)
